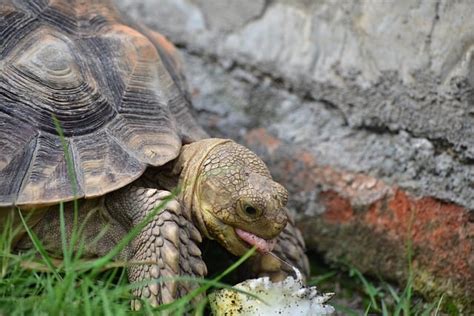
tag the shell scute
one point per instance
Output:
(117, 94)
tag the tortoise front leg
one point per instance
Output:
(167, 245)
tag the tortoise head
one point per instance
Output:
(236, 200)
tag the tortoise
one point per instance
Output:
(128, 138)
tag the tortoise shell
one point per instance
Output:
(116, 90)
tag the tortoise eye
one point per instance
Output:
(248, 211)
(251, 211)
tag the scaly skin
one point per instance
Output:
(222, 186)
(220, 180)
(169, 239)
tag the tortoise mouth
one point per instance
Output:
(262, 245)
(234, 239)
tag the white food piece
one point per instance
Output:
(288, 297)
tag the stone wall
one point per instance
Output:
(363, 109)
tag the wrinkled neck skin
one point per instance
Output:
(187, 166)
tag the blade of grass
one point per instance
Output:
(105, 304)
(438, 306)
(201, 307)
(39, 246)
(64, 244)
(69, 162)
(393, 292)
(148, 309)
(6, 241)
(367, 310)
(73, 180)
(345, 310)
(321, 278)
(85, 298)
(384, 308)
(369, 288)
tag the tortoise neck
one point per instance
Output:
(187, 169)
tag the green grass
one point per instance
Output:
(357, 294)
(35, 283)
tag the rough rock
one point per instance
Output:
(363, 109)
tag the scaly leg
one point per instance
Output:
(168, 244)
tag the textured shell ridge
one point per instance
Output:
(116, 90)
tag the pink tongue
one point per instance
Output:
(261, 244)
